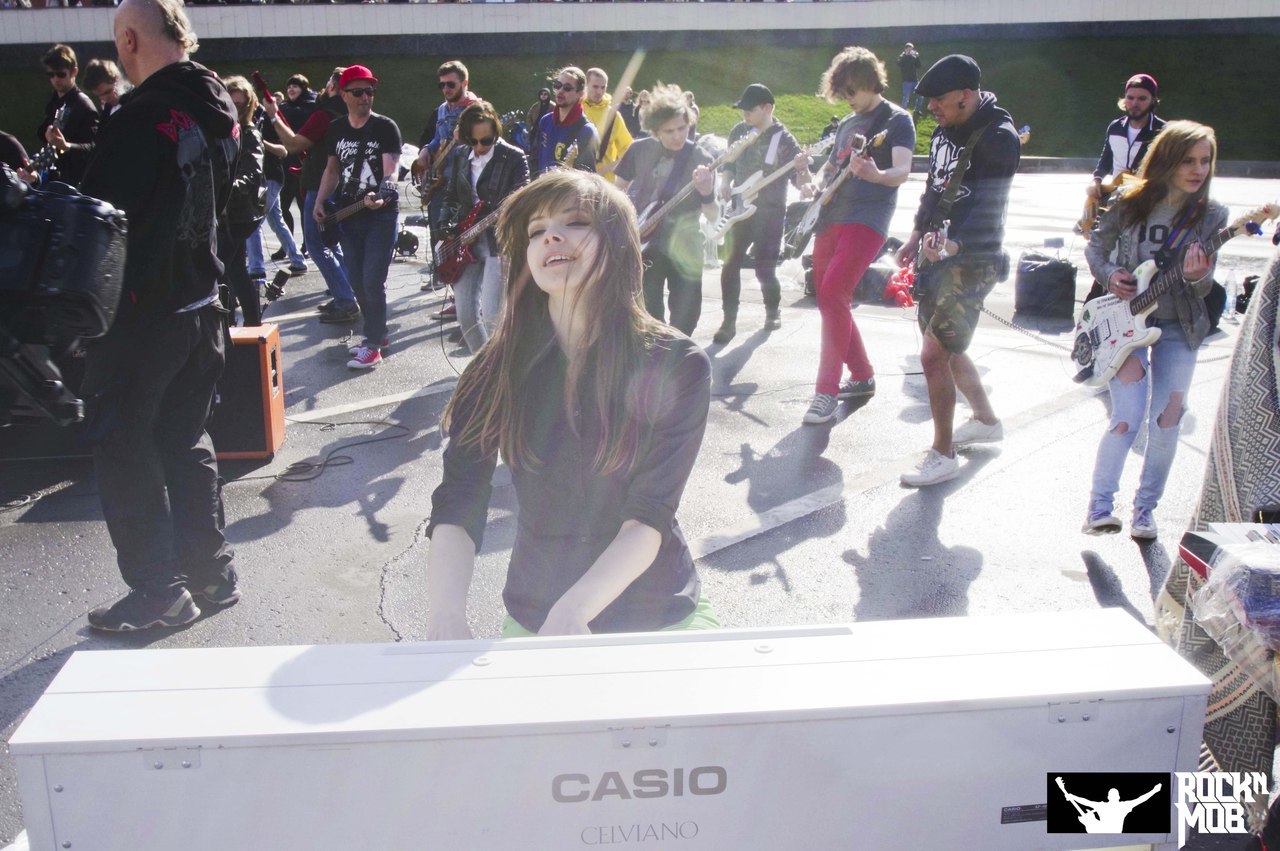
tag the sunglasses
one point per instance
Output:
(359, 93)
(487, 140)
(566, 86)
(57, 74)
(447, 84)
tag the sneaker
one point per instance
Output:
(857, 389)
(821, 410)
(279, 255)
(1101, 522)
(976, 431)
(386, 341)
(328, 307)
(728, 330)
(772, 320)
(934, 469)
(298, 269)
(222, 591)
(141, 609)
(365, 358)
(341, 315)
(1143, 526)
(448, 313)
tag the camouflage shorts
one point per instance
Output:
(950, 296)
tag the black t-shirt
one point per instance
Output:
(359, 152)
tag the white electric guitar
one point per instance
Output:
(1110, 327)
(739, 207)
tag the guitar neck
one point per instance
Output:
(1164, 280)
(665, 209)
(471, 233)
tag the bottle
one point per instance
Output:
(1232, 289)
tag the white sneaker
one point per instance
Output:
(934, 469)
(976, 431)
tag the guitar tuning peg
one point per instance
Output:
(1253, 228)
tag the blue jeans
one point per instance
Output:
(253, 250)
(478, 294)
(276, 221)
(908, 93)
(1166, 370)
(368, 238)
(328, 261)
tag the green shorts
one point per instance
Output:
(702, 617)
(950, 296)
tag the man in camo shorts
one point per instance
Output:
(958, 252)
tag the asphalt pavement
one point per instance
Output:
(791, 524)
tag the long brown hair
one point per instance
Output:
(496, 385)
(1155, 175)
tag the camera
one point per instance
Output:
(61, 271)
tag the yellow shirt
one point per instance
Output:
(619, 140)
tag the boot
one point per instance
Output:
(728, 329)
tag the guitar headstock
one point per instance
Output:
(264, 91)
(821, 146)
(1252, 220)
(570, 156)
(878, 139)
(736, 149)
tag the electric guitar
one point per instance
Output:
(335, 215)
(1089, 819)
(799, 237)
(47, 156)
(1110, 327)
(653, 214)
(1093, 206)
(739, 207)
(429, 179)
(455, 254)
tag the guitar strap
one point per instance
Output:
(673, 179)
(949, 195)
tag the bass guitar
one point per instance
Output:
(653, 214)
(1110, 327)
(47, 156)
(739, 207)
(798, 239)
(335, 214)
(1093, 206)
(455, 254)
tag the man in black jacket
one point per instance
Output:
(166, 159)
(72, 134)
(1129, 135)
(957, 266)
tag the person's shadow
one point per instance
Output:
(726, 363)
(906, 571)
(793, 469)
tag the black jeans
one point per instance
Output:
(663, 274)
(764, 230)
(241, 288)
(149, 391)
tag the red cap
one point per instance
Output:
(355, 73)
(1143, 81)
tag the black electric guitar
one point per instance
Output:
(798, 239)
(335, 213)
(47, 156)
(653, 214)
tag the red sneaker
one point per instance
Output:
(365, 358)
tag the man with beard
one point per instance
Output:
(973, 155)
(615, 138)
(73, 134)
(309, 138)
(566, 125)
(457, 97)
(364, 155)
(167, 159)
(1130, 134)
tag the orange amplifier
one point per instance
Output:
(248, 421)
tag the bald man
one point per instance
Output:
(166, 159)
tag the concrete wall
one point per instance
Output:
(479, 22)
